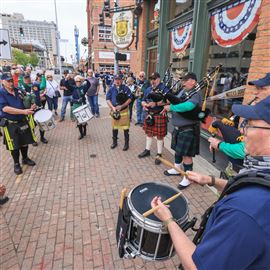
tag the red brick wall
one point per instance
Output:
(260, 61)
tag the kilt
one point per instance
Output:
(123, 122)
(17, 134)
(159, 129)
(186, 141)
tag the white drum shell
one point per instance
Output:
(45, 120)
(83, 114)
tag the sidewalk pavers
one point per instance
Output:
(62, 213)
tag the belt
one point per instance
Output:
(185, 127)
(15, 122)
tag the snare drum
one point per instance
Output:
(45, 120)
(83, 114)
(147, 237)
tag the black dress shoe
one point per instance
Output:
(28, 162)
(80, 137)
(35, 144)
(44, 140)
(180, 187)
(17, 168)
(114, 144)
(4, 200)
(157, 161)
(145, 153)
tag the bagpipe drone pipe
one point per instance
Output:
(199, 112)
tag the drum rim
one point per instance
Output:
(149, 223)
(42, 110)
(81, 107)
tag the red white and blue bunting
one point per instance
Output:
(180, 37)
(231, 24)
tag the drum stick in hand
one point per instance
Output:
(122, 197)
(169, 164)
(152, 210)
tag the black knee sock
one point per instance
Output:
(80, 129)
(178, 159)
(24, 151)
(188, 167)
(16, 156)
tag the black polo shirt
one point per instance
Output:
(63, 82)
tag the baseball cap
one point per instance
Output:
(189, 75)
(6, 77)
(117, 77)
(154, 76)
(265, 81)
(260, 111)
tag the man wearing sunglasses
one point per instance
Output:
(18, 132)
(237, 231)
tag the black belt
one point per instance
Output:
(185, 127)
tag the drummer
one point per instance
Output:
(78, 98)
(18, 130)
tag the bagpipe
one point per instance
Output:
(28, 98)
(199, 112)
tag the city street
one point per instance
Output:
(62, 213)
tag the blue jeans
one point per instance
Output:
(52, 103)
(140, 111)
(93, 102)
(66, 100)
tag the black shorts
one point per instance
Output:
(19, 133)
(186, 141)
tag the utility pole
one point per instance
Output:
(58, 40)
(116, 4)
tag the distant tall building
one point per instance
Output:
(23, 31)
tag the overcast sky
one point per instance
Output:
(69, 13)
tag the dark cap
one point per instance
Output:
(154, 76)
(260, 111)
(265, 81)
(26, 76)
(189, 75)
(117, 77)
(66, 71)
(6, 77)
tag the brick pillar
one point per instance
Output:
(260, 61)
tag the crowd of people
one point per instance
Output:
(238, 221)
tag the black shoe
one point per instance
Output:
(114, 144)
(126, 146)
(80, 137)
(144, 154)
(180, 187)
(61, 119)
(97, 115)
(56, 113)
(137, 123)
(4, 200)
(43, 140)
(17, 168)
(157, 161)
(35, 144)
(28, 162)
(141, 124)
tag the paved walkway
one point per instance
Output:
(62, 213)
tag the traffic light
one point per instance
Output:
(120, 56)
(21, 32)
(101, 18)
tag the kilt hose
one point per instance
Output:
(159, 129)
(186, 140)
(123, 122)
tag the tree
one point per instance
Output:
(33, 59)
(19, 57)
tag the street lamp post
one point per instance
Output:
(58, 39)
(116, 2)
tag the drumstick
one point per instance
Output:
(122, 197)
(169, 164)
(152, 210)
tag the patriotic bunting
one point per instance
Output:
(231, 24)
(180, 37)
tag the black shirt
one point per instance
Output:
(67, 92)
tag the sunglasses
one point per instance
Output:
(245, 126)
(78, 81)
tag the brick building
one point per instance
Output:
(100, 45)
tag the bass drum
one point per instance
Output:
(147, 237)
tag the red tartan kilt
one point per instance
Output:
(159, 129)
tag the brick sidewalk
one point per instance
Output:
(62, 213)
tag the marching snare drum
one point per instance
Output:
(45, 120)
(147, 237)
(83, 114)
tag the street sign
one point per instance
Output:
(5, 50)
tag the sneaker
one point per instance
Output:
(43, 140)
(35, 144)
(137, 123)
(17, 168)
(28, 162)
(61, 119)
(97, 115)
(184, 183)
(144, 154)
(157, 161)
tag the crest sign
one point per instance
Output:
(122, 29)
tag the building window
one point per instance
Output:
(105, 33)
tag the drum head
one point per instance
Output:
(81, 108)
(142, 195)
(43, 116)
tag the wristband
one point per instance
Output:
(218, 145)
(168, 221)
(213, 181)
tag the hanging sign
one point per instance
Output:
(180, 37)
(122, 29)
(231, 24)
